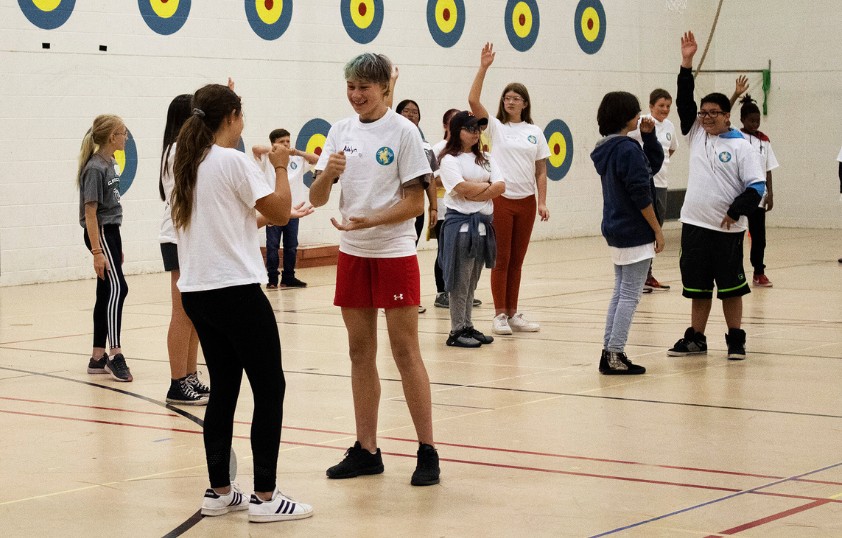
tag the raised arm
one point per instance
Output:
(684, 100)
(276, 207)
(393, 81)
(651, 147)
(740, 88)
(486, 59)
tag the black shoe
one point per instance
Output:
(478, 336)
(736, 340)
(614, 363)
(358, 461)
(292, 283)
(182, 393)
(462, 338)
(476, 303)
(427, 470)
(97, 366)
(194, 381)
(442, 300)
(117, 367)
(693, 343)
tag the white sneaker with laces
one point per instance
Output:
(215, 504)
(280, 508)
(521, 324)
(500, 324)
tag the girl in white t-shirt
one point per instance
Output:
(216, 192)
(442, 300)
(467, 242)
(520, 150)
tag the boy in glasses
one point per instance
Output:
(725, 184)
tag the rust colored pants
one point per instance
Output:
(513, 222)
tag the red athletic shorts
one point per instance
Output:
(377, 282)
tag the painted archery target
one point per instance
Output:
(522, 22)
(560, 141)
(589, 25)
(127, 164)
(311, 139)
(446, 21)
(362, 19)
(269, 18)
(164, 17)
(47, 14)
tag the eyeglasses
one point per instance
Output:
(710, 113)
(473, 129)
(512, 99)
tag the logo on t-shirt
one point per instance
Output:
(725, 156)
(293, 165)
(669, 136)
(385, 156)
(533, 139)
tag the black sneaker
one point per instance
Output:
(614, 363)
(427, 470)
(97, 366)
(194, 381)
(478, 336)
(292, 283)
(477, 302)
(462, 338)
(736, 340)
(358, 461)
(117, 367)
(442, 300)
(693, 343)
(182, 393)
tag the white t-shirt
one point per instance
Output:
(767, 157)
(437, 173)
(840, 156)
(167, 234)
(516, 147)
(221, 247)
(665, 131)
(296, 169)
(455, 170)
(630, 255)
(380, 157)
(720, 170)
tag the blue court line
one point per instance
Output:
(714, 501)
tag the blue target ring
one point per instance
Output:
(311, 140)
(560, 140)
(446, 21)
(271, 20)
(158, 16)
(362, 19)
(129, 171)
(522, 21)
(589, 25)
(47, 20)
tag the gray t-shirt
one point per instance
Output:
(101, 184)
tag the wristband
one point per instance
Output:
(96, 251)
(284, 167)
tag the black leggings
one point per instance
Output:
(238, 332)
(111, 291)
(757, 230)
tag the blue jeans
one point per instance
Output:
(273, 242)
(628, 285)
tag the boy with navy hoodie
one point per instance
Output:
(629, 220)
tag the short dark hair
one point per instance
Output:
(748, 106)
(615, 111)
(276, 134)
(659, 93)
(718, 99)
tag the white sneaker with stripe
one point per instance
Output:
(215, 504)
(280, 508)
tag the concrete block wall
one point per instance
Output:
(52, 95)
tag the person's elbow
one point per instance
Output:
(275, 208)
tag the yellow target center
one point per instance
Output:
(590, 24)
(120, 157)
(164, 8)
(46, 5)
(362, 13)
(558, 149)
(316, 143)
(269, 11)
(522, 20)
(446, 15)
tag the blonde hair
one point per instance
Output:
(100, 132)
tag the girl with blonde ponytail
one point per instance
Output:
(100, 215)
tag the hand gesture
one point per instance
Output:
(353, 223)
(647, 125)
(742, 85)
(301, 210)
(231, 84)
(279, 156)
(688, 47)
(543, 212)
(101, 265)
(727, 222)
(335, 164)
(487, 56)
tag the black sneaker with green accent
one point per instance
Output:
(427, 469)
(97, 366)
(358, 461)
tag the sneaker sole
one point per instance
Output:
(200, 401)
(108, 371)
(526, 330)
(621, 372)
(364, 472)
(424, 482)
(671, 353)
(97, 371)
(222, 511)
(254, 518)
(736, 357)
(503, 333)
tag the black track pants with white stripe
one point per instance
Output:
(112, 290)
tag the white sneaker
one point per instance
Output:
(521, 324)
(280, 508)
(500, 324)
(215, 504)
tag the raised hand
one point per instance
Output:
(741, 86)
(335, 164)
(647, 124)
(279, 156)
(688, 48)
(487, 56)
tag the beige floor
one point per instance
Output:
(533, 441)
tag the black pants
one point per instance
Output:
(238, 332)
(111, 291)
(437, 268)
(757, 229)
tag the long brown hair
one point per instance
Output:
(100, 132)
(211, 105)
(177, 114)
(521, 90)
(454, 141)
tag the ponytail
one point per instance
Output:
(177, 114)
(99, 133)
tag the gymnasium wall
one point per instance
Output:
(286, 57)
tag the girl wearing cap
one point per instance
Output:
(472, 180)
(520, 150)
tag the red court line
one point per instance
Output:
(771, 518)
(453, 460)
(91, 407)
